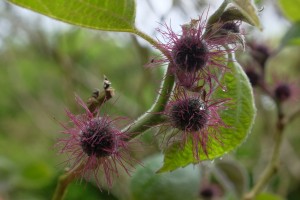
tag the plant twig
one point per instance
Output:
(99, 98)
(273, 165)
(65, 179)
(292, 117)
(95, 101)
(152, 117)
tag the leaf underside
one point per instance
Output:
(108, 15)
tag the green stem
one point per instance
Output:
(272, 167)
(64, 180)
(153, 116)
(152, 42)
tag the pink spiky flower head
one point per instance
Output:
(95, 141)
(196, 54)
(195, 116)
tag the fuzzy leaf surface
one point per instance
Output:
(239, 116)
(108, 15)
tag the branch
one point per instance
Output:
(152, 116)
(292, 117)
(273, 165)
(95, 101)
(65, 179)
(99, 98)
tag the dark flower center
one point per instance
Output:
(261, 54)
(282, 92)
(207, 193)
(190, 54)
(98, 138)
(231, 27)
(189, 114)
(253, 77)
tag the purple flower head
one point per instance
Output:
(253, 73)
(95, 141)
(196, 54)
(232, 27)
(195, 116)
(260, 52)
(283, 88)
(282, 92)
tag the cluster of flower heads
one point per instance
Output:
(198, 60)
(197, 57)
(282, 89)
(94, 143)
(200, 52)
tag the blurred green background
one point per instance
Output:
(41, 70)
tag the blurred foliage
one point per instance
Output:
(41, 70)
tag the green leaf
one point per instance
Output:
(290, 8)
(268, 196)
(292, 37)
(108, 15)
(248, 11)
(181, 184)
(239, 117)
(232, 14)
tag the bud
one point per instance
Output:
(190, 114)
(211, 191)
(197, 54)
(194, 116)
(98, 138)
(190, 55)
(282, 92)
(260, 53)
(230, 27)
(253, 76)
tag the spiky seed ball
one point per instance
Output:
(282, 92)
(196, 54)
(97, 139)
(190, 54)
(95, 142)
(189, 114)
(193, 116)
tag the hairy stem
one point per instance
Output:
(273, 165)
(65, 179)
(152, 42)
(152, 116)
